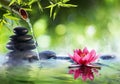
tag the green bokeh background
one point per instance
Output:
(93, 24)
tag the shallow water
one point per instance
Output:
(54, 72)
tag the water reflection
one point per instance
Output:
(55, 71)
(85, 72)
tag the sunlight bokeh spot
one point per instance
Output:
(44, 41)
(90, 31)
(40, 27)
(60, 29)
(80, 39)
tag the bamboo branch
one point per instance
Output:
(14, 7)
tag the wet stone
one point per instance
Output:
(16, 42)
(10, 47)
(107, 57)
(22, 38)
(21, 46)
(20, 31)
(47, 54)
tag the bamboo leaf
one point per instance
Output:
(19, 1)
(6, 14)
(40, 6)
(13, 1)
(52, 5)
(65, 1)
(4, 21)
(31, 2)
(51, 8)
(0, 6)
(27, 9)
(1, 24)
(67, 5)
(55, 13)
(11, 17)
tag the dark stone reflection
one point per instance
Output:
(17, 57)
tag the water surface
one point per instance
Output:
(54, 72)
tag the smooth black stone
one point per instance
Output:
(47, 55)
(22, 38)
(107, 57)
(20, 31)
(21, 46)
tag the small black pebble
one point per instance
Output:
(107, 57)
(20, 31)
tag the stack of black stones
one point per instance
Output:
(21, 46)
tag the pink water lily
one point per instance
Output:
(84, 57)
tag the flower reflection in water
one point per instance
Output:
(84, 64)
(85, 72)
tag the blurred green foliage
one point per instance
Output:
(90, 23)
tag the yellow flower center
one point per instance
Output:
(83, 54)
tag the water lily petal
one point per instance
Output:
(92, 56)
(85, 51)
(77, 58)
